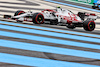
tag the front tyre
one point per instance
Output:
(19, 12)
(89, 25)
(38, 18)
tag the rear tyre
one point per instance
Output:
(89, 25)
(38, 18)
(19, 12)
(70, 26)
(54, 22)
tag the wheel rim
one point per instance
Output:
(39, 19)
(91, 25)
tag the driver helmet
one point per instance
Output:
(58, 8)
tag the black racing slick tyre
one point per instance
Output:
(89, 25)
(54, 22)
(38, 18)
(19, 12)
(70, 26)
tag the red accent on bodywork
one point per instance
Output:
(93, 14)
(49, 10)
(69, 22)
(70, 19)
(26, 19)
(21, 12)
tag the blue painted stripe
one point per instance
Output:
(40, 62)
(73, 5)
(51, 33)
(49, 49)
(37, 27)
(51, 40)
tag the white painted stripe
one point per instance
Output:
(42, 6)
(12, 1)
(11, 9)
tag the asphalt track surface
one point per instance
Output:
(30, 45)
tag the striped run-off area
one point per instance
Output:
(30, 45)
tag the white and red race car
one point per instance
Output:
(58, 16)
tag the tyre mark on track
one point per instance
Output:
(11, 65)
(51, 56)
(26, 3)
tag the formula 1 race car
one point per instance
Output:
(96, 4)
(58, 16)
